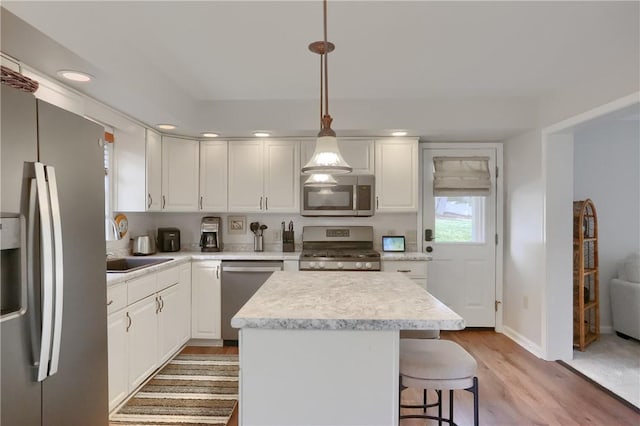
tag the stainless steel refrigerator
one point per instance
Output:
(53, 324)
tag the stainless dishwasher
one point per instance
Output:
(240, 280)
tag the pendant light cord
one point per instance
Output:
(326, 62)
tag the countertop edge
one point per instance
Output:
(346, 324)
(410, 256)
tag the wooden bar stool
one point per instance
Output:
(438, 365)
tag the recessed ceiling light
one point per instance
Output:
(166, 126)
(261, 134)
(399, 133)
(76, 76)
(209, 134)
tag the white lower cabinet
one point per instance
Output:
(149, 330)
(142, 339)
(206, 310)
(118, 357)
(416, 270)
(169, 323)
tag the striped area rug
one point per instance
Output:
(190, 390)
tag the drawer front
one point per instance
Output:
(168, 277)
(142, 287)
(413, 268)
(116, 297)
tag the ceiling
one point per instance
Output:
(441, 70)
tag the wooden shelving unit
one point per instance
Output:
(586, 286)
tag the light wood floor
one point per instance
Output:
(516, 388)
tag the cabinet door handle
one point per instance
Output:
(109, 302)
(163, 201)
(260, 203)
(266, 203)
(128, 322)
(377, 203)
(403, 270)
(218, 272)
(161, 303)
(201, 202)
(157, 305)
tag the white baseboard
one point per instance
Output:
(522, 341)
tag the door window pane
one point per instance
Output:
(459, 219)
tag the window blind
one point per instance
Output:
(456, 176)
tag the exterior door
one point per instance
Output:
(460, 233)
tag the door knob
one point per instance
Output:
(429, 249)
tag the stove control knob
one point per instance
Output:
(340, 265)
(312, 265)
(368, 265)
(321, 265)
(358, 265)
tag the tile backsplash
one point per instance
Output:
(189, 225)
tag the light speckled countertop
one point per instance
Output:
(180, 257)
(411, 255)
(345, 300)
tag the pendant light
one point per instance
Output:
(326, 158)
(320, 180)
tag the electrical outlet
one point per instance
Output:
(525, 302)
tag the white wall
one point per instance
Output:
(524, 240)
(189, 225)
(607, 170)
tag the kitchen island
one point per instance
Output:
(322, 348)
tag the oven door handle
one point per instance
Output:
(251, 269)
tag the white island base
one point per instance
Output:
(322, 348)
(318, 377)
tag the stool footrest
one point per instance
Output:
(423, 416)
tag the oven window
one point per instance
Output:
(336, 198)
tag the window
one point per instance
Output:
(460, 188)
(108, 179)
(460, 219)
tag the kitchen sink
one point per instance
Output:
(126, 264)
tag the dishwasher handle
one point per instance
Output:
(251, 269)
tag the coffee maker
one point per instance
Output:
(211, 234)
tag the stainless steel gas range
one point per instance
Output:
(338, 248)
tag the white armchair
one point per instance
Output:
(625, 298)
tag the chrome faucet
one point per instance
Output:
(112, 228)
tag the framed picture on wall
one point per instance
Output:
(237, 224)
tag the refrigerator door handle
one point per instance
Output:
(34, 314)
(47, 271)
(59, 269)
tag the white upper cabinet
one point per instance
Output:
(129, 168)
(264, 176)
(281, 177)
(180, 174)
(154, 171)
(245, 176)
(213, 176)
(396, 171)
(358, 153)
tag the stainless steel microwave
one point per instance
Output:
(352, 196)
